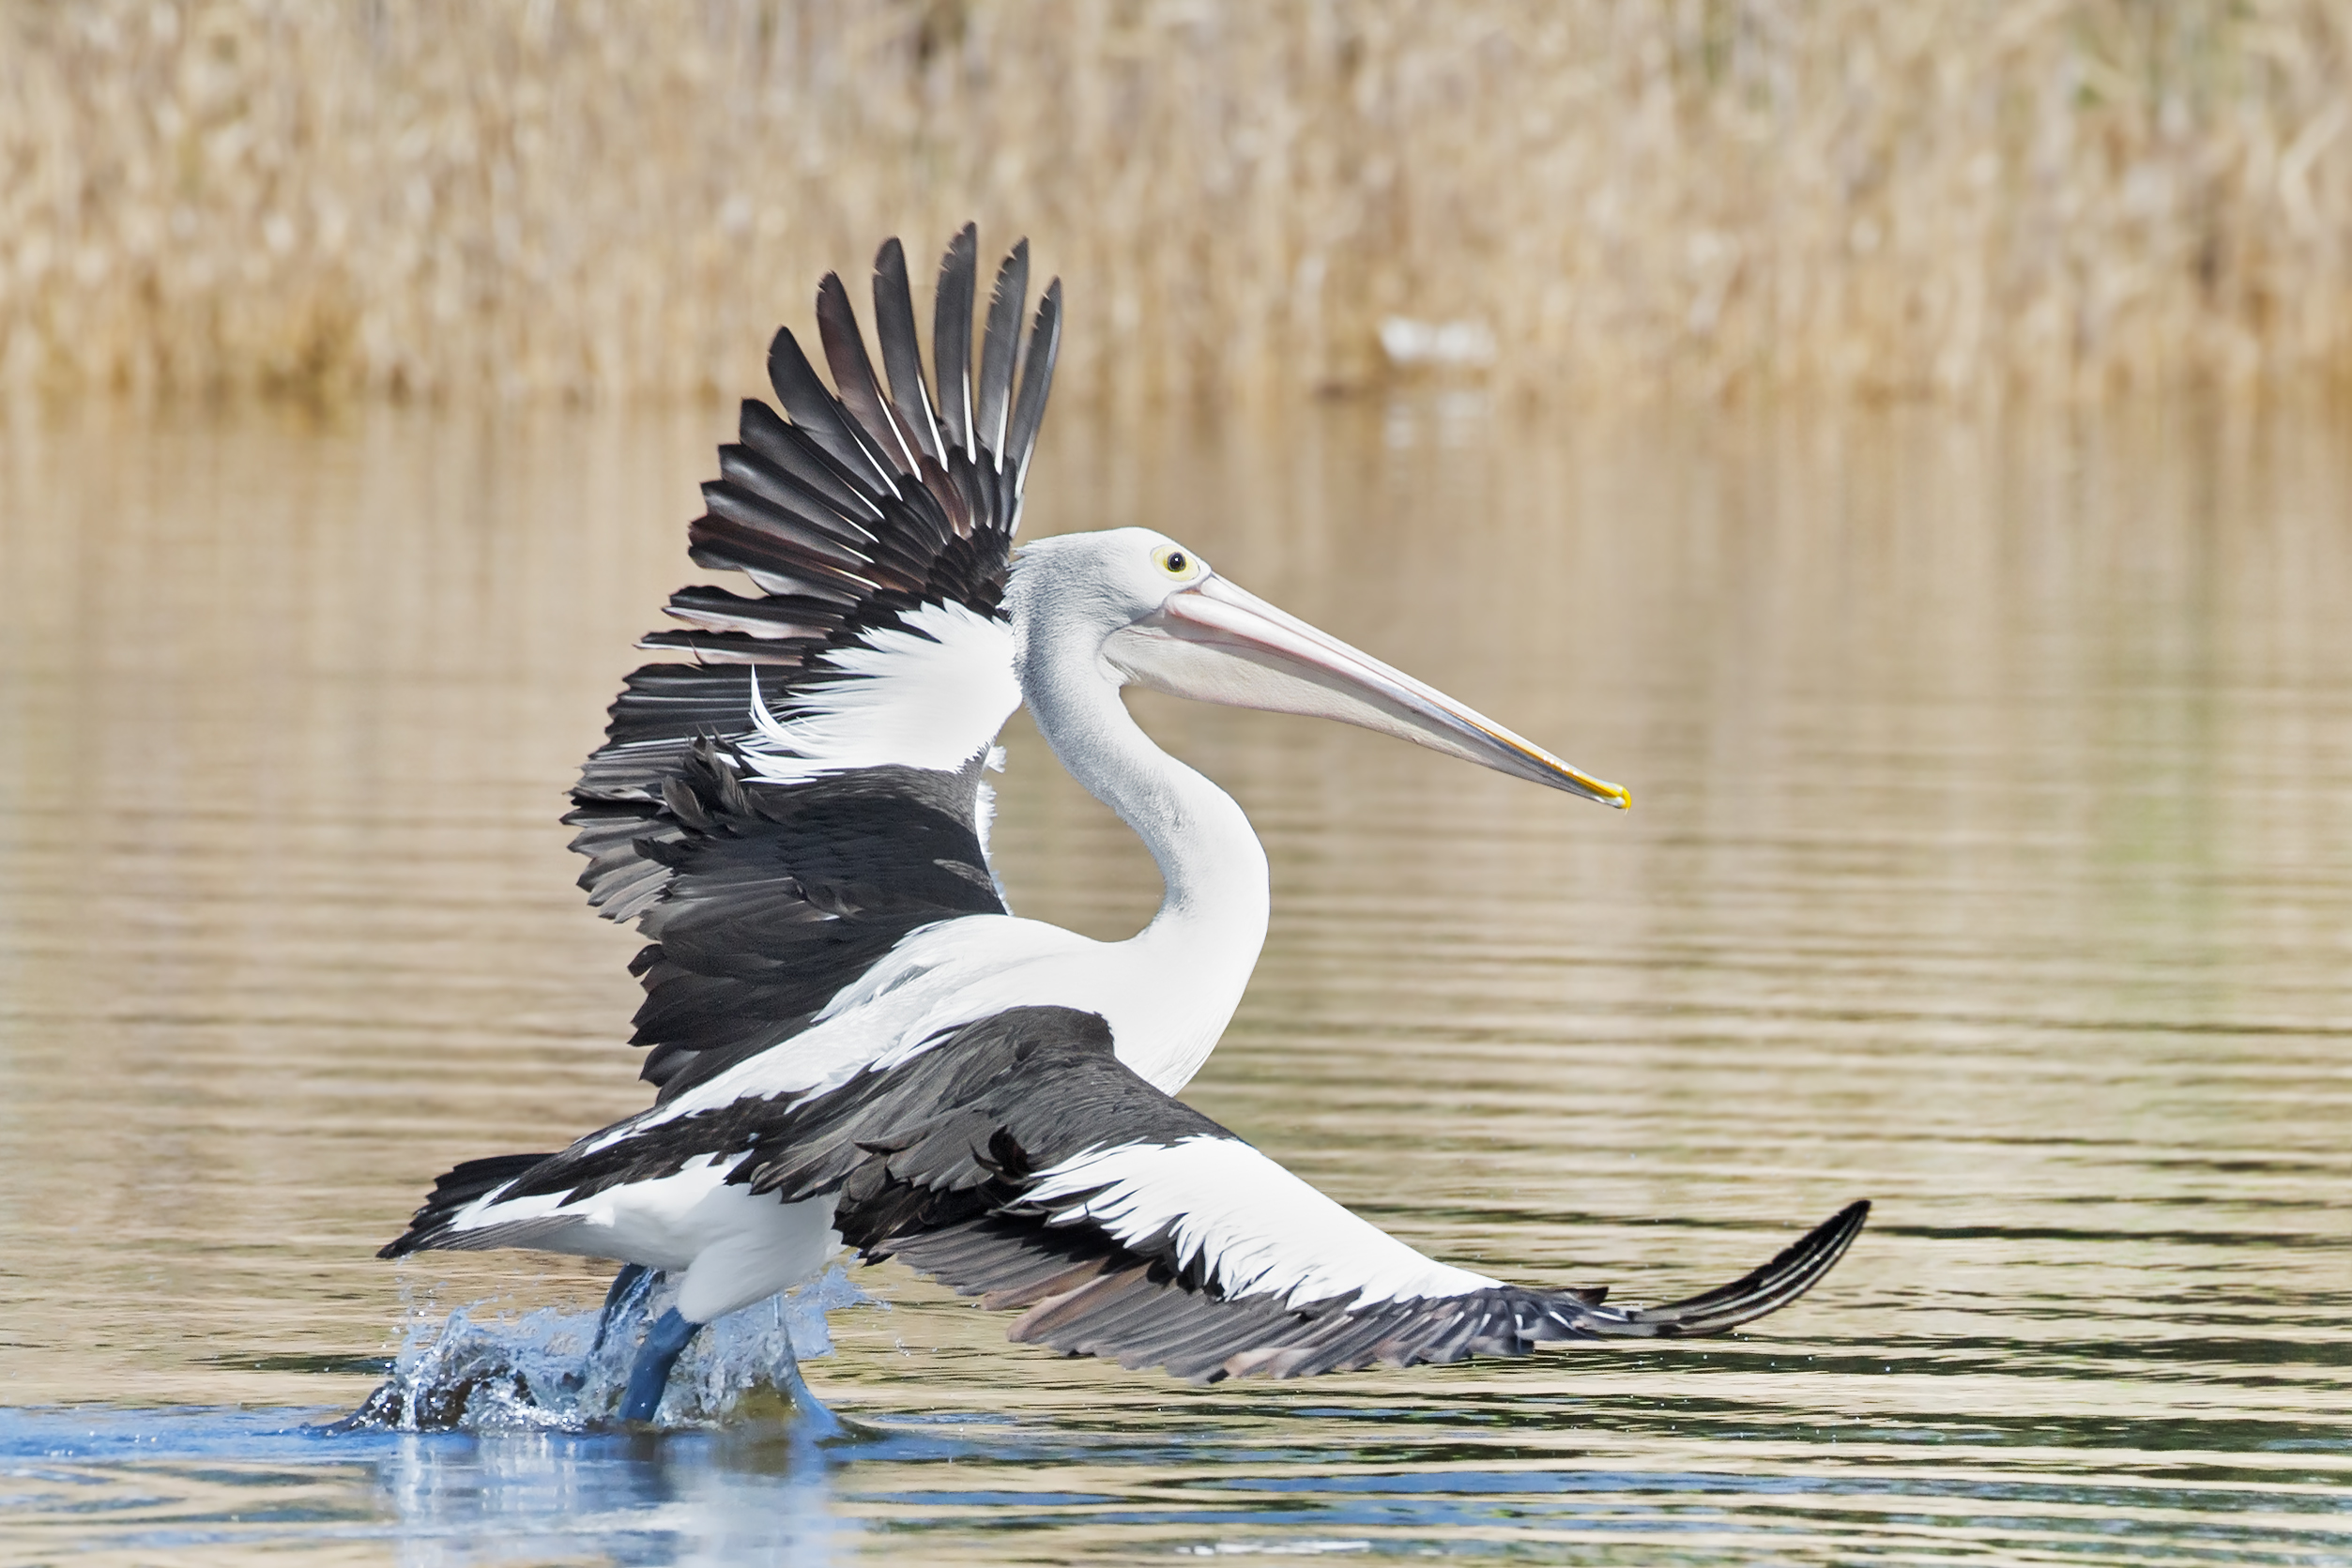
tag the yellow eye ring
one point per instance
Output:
(1175, 560)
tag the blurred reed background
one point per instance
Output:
(568, 198)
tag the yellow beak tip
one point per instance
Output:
(1603, 791)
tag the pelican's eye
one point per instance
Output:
(1175, 561)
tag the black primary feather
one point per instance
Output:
(902, 351)
(853, 375)
(816, 410)
(951, 336)
(1000, 347)
(1029, 416)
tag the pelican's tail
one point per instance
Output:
(451, 1193)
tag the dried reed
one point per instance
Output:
(621, 197)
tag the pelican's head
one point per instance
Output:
(1159, 617)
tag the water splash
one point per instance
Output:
(543, 1370)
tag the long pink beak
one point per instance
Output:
(1215, 643)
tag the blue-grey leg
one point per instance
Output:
(629, 1289)
(664, 1343)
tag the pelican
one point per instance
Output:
(854, 1042)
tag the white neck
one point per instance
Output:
(1200, 948)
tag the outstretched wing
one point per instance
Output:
(799, 785)
(1016, 1159)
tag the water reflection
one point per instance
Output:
(1990, 855)
(210, 1486)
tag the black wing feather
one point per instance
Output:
(937, 1161)
(951, 336)
(743, 467)
(847, 511)
(854, 374)
(791, 449)
(902, 351)
(816, 411)
(740, 532)
(1029, 416)
(760, 904)
(1000, 347)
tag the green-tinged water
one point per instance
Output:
(1990, 858)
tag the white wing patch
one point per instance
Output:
(1254, 1227)
(933, 696)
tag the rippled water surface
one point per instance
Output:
(1992, 857)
